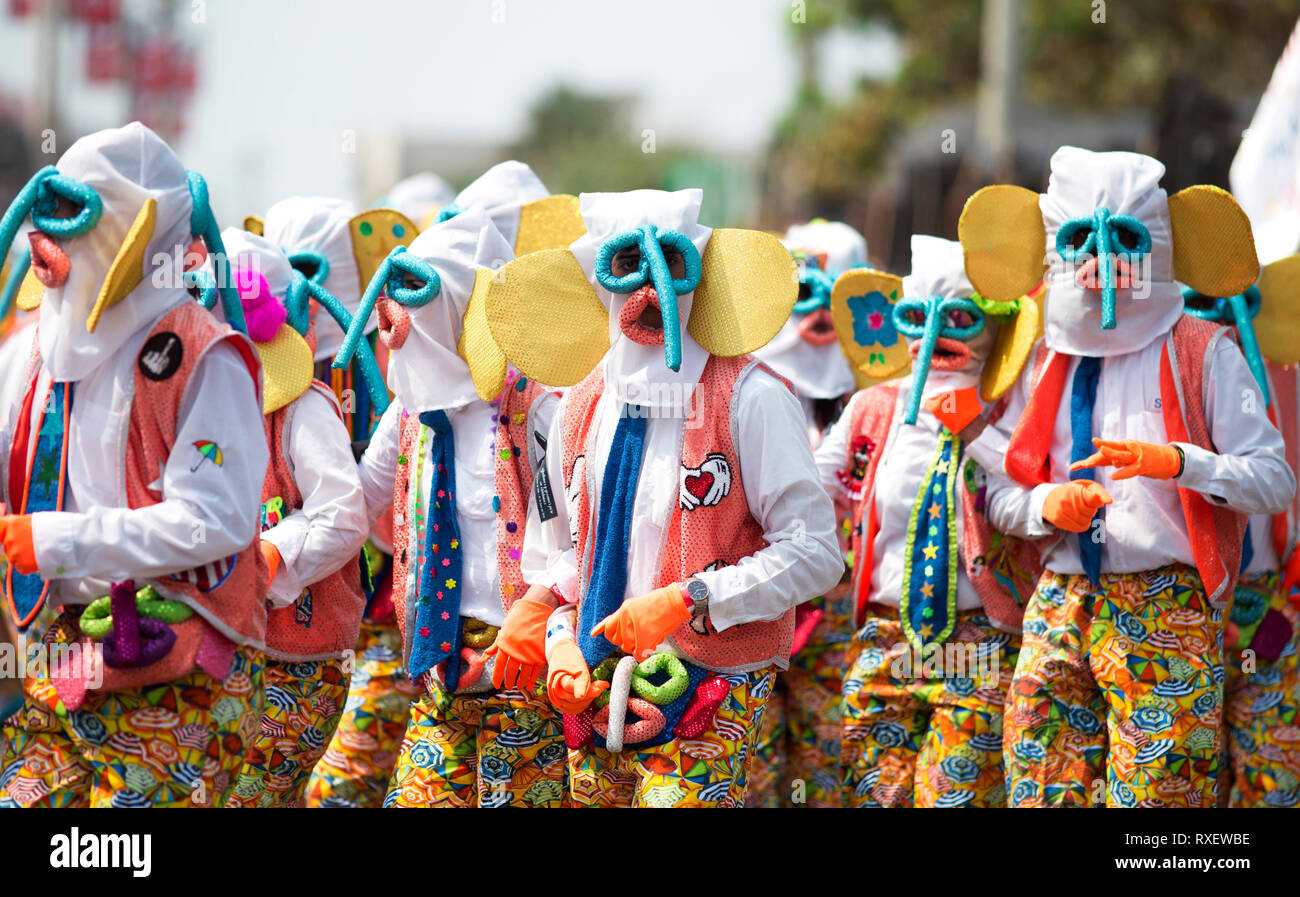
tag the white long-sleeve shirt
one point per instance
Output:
(473, 429)
(208, 511)
(1144, 527)
(802, 559)
(330, 528)
(907, 453)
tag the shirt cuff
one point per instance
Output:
(54, 539)
(1036, 526)
(560, 626)
(1199, 469)
(288, 541)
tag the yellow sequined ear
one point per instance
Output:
(552, 222)
(546, 318)
(1002, 237)
(487, 363)
(375, 233)
(254, 225)
(127, 269)
(30, 292)
(1214, 249)
(862, 308)
(286, 368)
(1277, 326)
(1011, 348)
(748, 285)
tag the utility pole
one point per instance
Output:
(999, 90)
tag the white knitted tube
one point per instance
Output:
(619, 688)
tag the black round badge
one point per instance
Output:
(161, 356)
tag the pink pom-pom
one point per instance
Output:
(263, 313)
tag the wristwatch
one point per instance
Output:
(698, 593)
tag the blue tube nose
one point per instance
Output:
(387, 277)
(653, 269)
(935, 310)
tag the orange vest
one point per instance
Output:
(513, 477)
(1215, 532)
(704, 538)
(325, 620)
(1002, 569)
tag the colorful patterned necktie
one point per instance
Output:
(437, 614)
(928, 604)
(1083, 397)
(43, 490)
(613, 529)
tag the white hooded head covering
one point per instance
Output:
(248, 252)
(502, 191)
(321, 224)
(427, 372)
(125, 166)
(419, 197)
(636, 373)
(1127, 184)
(939, 269)
(817, 372)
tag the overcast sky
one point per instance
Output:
(281, 80)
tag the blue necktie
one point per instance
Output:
(928, 605)
(613, 527)
(437, 614)
(1083, 396)
(43, 493)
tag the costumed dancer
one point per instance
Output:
(938, 596)
(1260, 764)
(1139, 441)
(676, 579)
(133, 473)
(313, 524)
(796, 760)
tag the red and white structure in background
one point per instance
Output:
(145, 54)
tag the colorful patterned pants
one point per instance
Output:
(302, 706)
(359, 762)
(708, 771)
(797, 753)
(497, 749)
(925, 728)
(175, 744)
(1261, 764)
(1118, 695)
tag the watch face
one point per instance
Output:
(697, 590)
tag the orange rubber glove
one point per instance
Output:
(1071, 505)
(272, 555)
(16, 536)
(1291, 574)
(1134, 459)
(646, 620)
(568, 681)
(955, 408)
(520, 646)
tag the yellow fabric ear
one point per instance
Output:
(487, 363)
(1011, 348)
(286, 368)
(748, 285)
(546, 318)
(127, 270)
(375, 233)
(1003, 239)
(552, 222)
(1277, 326)
(1214, 249)
(30, 292)
(254, 225)
(862, 307)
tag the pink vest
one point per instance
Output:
(1285, 414)
(705, 538)
(1215, 532)
(1002, 569)
(325, 621)
(514, 480)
